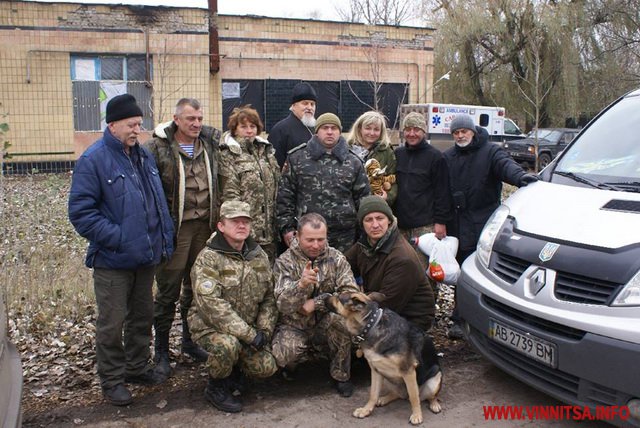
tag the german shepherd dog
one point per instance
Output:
(402, 358)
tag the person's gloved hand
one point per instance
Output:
(320, 302)
(259, 341)
(528, 179)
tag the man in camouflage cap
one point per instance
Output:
(323, 176)
(307, 273)
(234, 311)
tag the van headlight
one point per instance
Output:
(489, 233)
(630, 293)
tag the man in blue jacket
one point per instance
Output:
(117, 203)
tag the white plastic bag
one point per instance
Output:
(443, 266)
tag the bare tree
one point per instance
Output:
(381, 12)
(4, 146)
(491, 42)
(372, 52)
(166, 86)
(608, 41)
(538, 84)
(373, 48)
(588, 53)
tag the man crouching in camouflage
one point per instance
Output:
(305, 275)
(235, 310)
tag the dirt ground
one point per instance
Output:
(310, 401)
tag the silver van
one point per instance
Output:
(552, 293)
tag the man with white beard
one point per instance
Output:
(477, 169)
(298, 127)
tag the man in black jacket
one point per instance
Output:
(424, 203)
(477, 169)
(298, 127)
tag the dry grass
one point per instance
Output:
(48, 291)
(41, 256)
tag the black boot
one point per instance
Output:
(237, 382)
(161, 357)
(345, 389)
(217, 393)
(118, 395)
(189, 347)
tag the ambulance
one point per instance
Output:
(439, 117)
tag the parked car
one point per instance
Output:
(552, 293)
(10, 377)
(551, 141)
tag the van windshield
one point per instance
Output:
(608, 151)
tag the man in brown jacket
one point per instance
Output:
(386, 263)
(186, 153)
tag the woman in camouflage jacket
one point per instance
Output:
(249, 172)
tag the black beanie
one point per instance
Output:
(122, 107)
(303, 91)
(373, 204)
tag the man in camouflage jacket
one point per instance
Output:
(186, 153)
(323, 176)
(305, 275)
(234, 311)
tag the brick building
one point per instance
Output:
(61, 62)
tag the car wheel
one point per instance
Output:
(543, 160)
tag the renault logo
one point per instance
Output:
(538, 281)
(548, 251)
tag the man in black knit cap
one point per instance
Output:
(117, 203)
(298, 127)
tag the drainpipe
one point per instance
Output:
(214, 42)
(147, 57)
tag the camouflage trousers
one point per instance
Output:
(327, 339)
(424, 259)
(341, 240)
(226, 351)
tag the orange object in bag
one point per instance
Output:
(435, 271)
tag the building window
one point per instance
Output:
(98, 78)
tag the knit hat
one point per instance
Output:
(415, 120)
(328, 119)
(233, 209)
(462, 121)
(303, 91)
(373, 204)
(122, 107)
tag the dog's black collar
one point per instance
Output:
(372, 320)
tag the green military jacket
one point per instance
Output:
(328, 183)
(232, 291)
(334, 275)
(249, 172)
